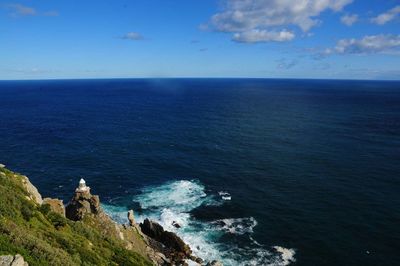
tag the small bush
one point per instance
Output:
(57, 220)
(26, 212)
(44, 208)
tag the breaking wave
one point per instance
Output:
(171, 203)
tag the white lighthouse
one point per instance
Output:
(82, 186)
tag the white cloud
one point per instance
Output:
(371, 44)
(21, 10)
(245, 17)
(256, 35)
(349, 19)
(283, 63)
(135, 36)
(387, 16)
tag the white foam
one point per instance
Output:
(172, 202)
(237, 225)
(182, 195)
(225, 195)
(287, 255)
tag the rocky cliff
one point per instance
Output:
(44, 232)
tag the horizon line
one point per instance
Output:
(160, 78)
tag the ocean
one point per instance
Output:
(256, 171)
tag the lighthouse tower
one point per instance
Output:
(82, 186)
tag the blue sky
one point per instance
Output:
(340, 39)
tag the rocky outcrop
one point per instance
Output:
(85, 206)
(149, 238)
(81, 204)
(34, 194)
(172, 245)
(9, 260)
(56, 205)
(131, 218)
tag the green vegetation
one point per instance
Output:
(43, 237)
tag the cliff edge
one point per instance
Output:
(45, 232)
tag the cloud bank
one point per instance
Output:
(371, 44)
(267, 20)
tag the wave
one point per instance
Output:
(236, 225)
(225, 195)
(171, 203)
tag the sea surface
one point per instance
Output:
(256, 171)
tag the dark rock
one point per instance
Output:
(176, 225)
(152, 229)
(169, 239)
(198, 260)
(214, 263)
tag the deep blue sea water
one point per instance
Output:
(258, 172)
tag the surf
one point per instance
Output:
(171, 203)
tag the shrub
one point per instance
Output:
(26, 212)
(57, 220)
(44, 208)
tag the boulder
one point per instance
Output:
(56, 205)
(131, 218)
(6, 260)
(169, 239)
(215, 263)
(197, 260)
(176, 225)
(9, 260)
(32, 190)
(19, 261)
(152, 229)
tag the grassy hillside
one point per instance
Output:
(43, 237)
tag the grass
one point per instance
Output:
(43, 237)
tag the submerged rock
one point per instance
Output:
(176, 225)
(215, 263)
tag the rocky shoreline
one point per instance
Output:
(161, 247)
